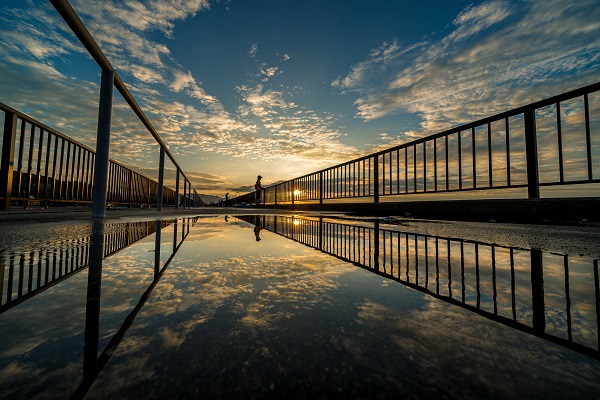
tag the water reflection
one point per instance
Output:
(31, 273)
(552, 296)
(234, 318)
(94, 363)
(24, 274)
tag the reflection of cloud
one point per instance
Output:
(445, 338)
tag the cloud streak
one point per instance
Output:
(498, 55)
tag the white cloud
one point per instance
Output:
(499, 55)
(253, 50)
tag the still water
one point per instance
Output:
(291, 307)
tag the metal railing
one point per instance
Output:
(108, 180)
(539, 293)
(543, 144)
(51, 168)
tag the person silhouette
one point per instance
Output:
(226, 199)
(259, 190)
(257, 228)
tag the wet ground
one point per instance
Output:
(260, 304)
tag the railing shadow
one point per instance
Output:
(543, 294)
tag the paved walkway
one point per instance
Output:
(584, 240)
(85, 213)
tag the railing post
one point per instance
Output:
(321, 187)
(157, 240)
(130, 188)
(275, 195)
(8, 155)
(161, 179)
(176, 195)
(376, 246)
(293, 191)
(184, 193)
(102, 145)
(537, 291)
(533, 188)
(376, 179)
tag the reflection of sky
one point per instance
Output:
(233, 317)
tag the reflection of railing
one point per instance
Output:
(24, 274)
(543, 294)
(93, 363)
(543, 144)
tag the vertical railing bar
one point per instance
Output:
(391, 173)
(597, 293)
(74, 151)
(449, 261)
(437, 266)
(474, 157)
(489, 137)
(588, 140)
(71, 153)
(533, 188)
(54, 166)
(414, 167)
(459, 133)
(406, 169)
(567, 297)
(447, 139)
(462, 270)
(77, 195)
(383, 172)
(398, 171)
(67, 170)
(507, 131)
(30, 160)
(38, 164)
(435, 165)
(560, 143)
(513, 284)
(47, 165)
(376, 179)
(20, 157)
(425, 238)
(424, 167)
(494, 289)
(60, 168)
(477, 284)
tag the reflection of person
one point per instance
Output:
(259, 190)
(257, 228)
(227, 218)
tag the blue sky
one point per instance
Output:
(239, 88)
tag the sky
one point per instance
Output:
(281, 88)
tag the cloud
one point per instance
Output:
(253, 50)
(498, 55)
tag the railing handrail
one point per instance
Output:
(33, 121)
(72, 19)
(470, 167)
(506, 114)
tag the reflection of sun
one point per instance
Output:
(297, 192)
(296, 222)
